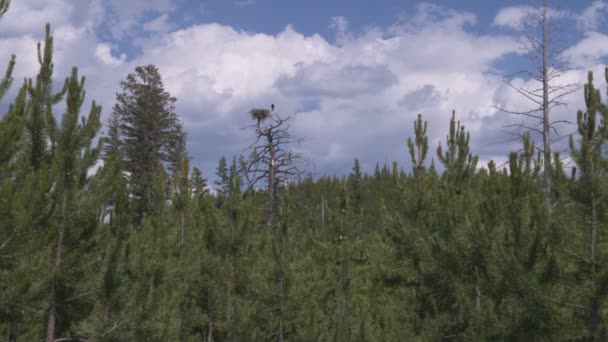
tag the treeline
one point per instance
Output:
(117, 238)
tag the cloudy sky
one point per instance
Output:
(353, 74)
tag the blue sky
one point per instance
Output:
(353, 74)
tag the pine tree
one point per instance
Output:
(146, 128)
(586, 226)
(17, 214)
(72, 159)
(29, 184)
(418, 149)
(41, 120)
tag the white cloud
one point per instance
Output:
(592, 16)
(28, 16)
(511, 17)
(354, 98)
(359, 85)
(590, 50)
(104, 53)
(515, 17)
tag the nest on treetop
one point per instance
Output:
(259, 114)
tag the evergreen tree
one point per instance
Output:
(72, 159)
(146, 128)
(580, 240)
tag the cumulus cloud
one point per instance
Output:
(511, 17)
(104, 53)
(356, 97)
(590, 50)
(27, 16)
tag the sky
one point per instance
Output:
(352, 74)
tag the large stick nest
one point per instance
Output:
(259, 114)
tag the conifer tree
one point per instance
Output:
(73, 156)
(29, 183)
(41, 120)
(589, 196)
(418, 149)
(108, 314)
(146, 128)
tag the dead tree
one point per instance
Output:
(541, 30)
(271, 162)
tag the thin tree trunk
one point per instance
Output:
(546, 122)
(210, 332)
(52, 320)
(272, 186)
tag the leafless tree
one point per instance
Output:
(272, 162)
(541, 30)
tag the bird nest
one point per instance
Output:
(259, 114)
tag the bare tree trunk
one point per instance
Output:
(52, 319)
(272, 185)
(210, 332)
(546, 122)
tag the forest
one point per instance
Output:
(107, 233)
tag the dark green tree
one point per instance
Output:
(73, 157)
(146, 128)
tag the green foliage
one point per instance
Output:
(119, 239)
(145, 127)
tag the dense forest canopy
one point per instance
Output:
(111, 234)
